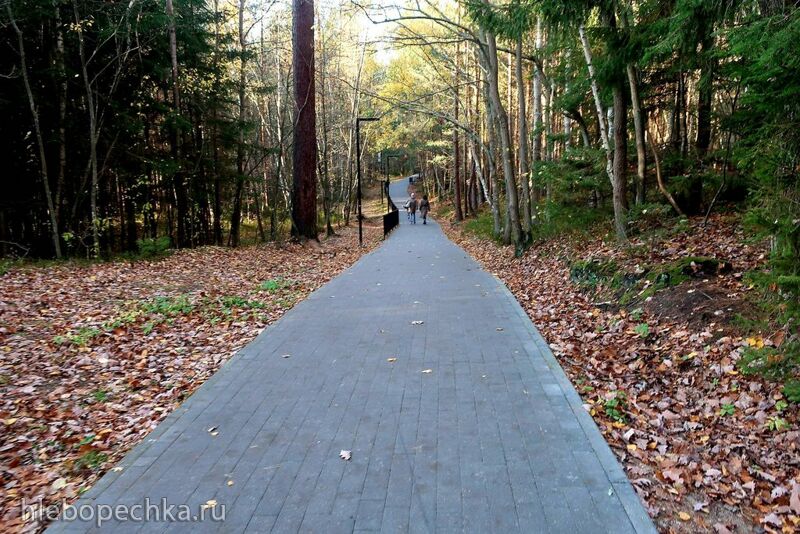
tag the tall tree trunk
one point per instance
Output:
(566, 119)
(512, 215)
(304, 150)
(215, 133)
(620, 197)
(510, 98)
(90, 104)
(178, 182)
(522, 129)
(236, 213)
(536, 157)
(62, 110)
(325, 176)
(639, 129)
(456, 152)
(587, 53)
(705, 97)
(493, 192)
(38, 131)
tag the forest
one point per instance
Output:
(637, 148)
(130, 123)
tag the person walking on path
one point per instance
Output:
(424, 208)
(412, 208)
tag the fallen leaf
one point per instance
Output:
(794, 500)
(211, 503)
(684, 516)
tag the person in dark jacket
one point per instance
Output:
(424, 208)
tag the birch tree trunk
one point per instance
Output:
(456, 153)
(620, 197)
(587, 53)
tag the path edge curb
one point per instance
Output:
(634, 508)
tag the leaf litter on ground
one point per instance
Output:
(699, 428)
(93, 357)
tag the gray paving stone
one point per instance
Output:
(493, 439)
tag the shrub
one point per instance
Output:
(150, 247)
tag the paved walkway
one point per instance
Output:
(492, 439)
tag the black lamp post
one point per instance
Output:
(359, 120)
(388, 206)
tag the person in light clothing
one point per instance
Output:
(411, 206)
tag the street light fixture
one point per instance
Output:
(359, 120)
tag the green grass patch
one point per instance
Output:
(167, 306)
(481, 226)
(90, 461)
(589, 274)
(776, 307)
(276, 284)
(153, 247)
(81, 337)
(792, 390)
(615, 407)
(553, 220)
(642, 330)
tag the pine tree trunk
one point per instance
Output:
(304, 153)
